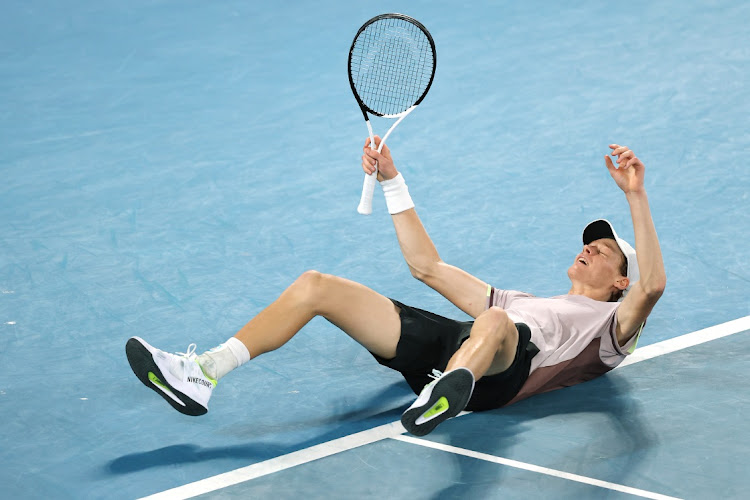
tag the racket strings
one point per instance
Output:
(391, 65)
(393, 79)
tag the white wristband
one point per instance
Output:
(397, 195)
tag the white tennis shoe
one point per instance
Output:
(178, 378)
(443, 398)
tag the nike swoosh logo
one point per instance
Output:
(440, 407)
(159, 384)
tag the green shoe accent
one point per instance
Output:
(439, 407)
(213, 381)
(155, 380)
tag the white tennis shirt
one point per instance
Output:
(576, 337)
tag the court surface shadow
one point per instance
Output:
(496, 432)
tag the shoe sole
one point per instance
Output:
(455, 387)
(142, 362)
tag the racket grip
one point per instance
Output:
(368, 189)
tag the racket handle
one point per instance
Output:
(368, 189)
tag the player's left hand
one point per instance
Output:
(629, 172)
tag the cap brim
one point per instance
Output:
(597, 230)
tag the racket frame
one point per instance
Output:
(368, 186)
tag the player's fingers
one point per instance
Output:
(614, 146)
(368, 160)
(375, 157)
(372, 153)
(367, 167)
(619, 150)
(608, 162)
(624, 156)
(634, 161)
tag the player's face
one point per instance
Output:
(599, 263)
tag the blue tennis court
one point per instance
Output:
(169, 168)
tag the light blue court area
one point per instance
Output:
(168, 168)
(661, 428)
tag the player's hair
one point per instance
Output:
(623, 271)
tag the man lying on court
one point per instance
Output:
(518, 345)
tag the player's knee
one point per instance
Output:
(496, 315)
(308, 287)
(313, 289)
(498, 323)
(308, 278)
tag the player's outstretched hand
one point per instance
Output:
(386, 168)
(629, 172)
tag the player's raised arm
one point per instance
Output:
(465, 291)
(640, 300)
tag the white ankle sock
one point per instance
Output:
(224, 358)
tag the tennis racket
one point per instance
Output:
(391, 67)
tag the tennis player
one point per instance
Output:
(518, 345)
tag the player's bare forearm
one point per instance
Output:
(418, 249)
(650, 262)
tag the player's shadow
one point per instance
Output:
(358, 419)
(622, 436)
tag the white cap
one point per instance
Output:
(602, 228)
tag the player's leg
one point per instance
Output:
(186, 381)
(365, 315)
(490, 349)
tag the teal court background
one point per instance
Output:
(168, 168)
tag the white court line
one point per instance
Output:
(533, 468)
(283, 462)
(687, 340)
(395, 429)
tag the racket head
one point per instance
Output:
(392, 64)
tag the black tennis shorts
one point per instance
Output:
(428, 341)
